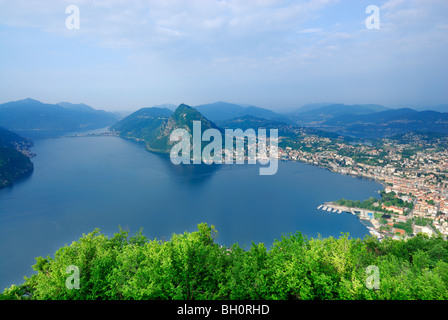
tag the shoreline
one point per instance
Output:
(366, 222)
(361, 214)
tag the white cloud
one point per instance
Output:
(311, 30)
(392, 4)
(238, 44)
(196, 18)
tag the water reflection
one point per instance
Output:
(192, 174)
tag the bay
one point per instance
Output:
(83, 183)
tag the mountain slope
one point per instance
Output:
(311, 106)
(9, 139)
(78, 107)
(265, 114)
(221, 111)
(326, 112)
(182, 118)
(389, 123)
(251, 122)
(438, 108)
(388, 115)
(142, 123)
(32, 118)
(14, 164)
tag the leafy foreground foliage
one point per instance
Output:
(193, 266)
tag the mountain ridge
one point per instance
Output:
(154, 125)
(142, 123)
(182, 118)
(221, 111)
(388, 123)
(35, 119)
(323, 113)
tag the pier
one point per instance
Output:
(367, 216)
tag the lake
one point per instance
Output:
(83, 183)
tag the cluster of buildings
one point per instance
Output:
(416, 171)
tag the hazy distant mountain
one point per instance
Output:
(247, 122)
(438, 108)
(32, 118)
(78, 107)
(154, 125)
(251, 122)
(377, 117)
(265, 114)
(142, 123)
(170, 106)
(369, 120)
(320, 114)
(220, 111)
(286, 130)
(310, 106)
(14, 164)
(388, 123)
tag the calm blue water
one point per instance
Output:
(84, 183)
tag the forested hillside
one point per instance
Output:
(13, 162)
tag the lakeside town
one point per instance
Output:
(413, 169)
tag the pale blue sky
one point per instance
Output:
(270, 53)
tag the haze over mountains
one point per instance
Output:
(388, 123)
(32, 118)
(153, 125)
(322, 113)
(220, 111)
(438, 108)
(142, 123)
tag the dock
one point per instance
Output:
(329, 207)
(367, 217)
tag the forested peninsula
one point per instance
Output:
(15, 156)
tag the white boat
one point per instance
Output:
(325, 208)
(320, 206)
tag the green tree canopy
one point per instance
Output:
(193, 266)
